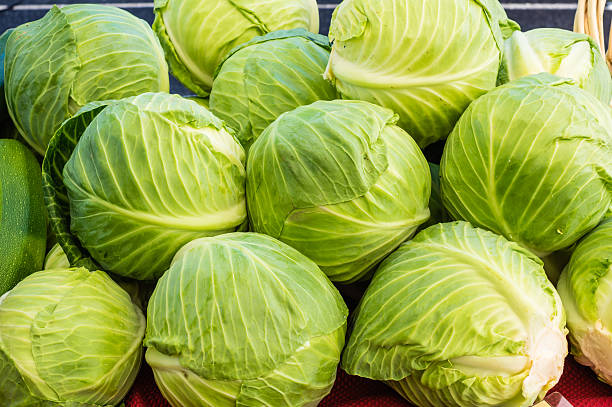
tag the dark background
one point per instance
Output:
(528, 13)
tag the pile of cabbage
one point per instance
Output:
(427, 165)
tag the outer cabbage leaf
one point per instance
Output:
(268, 76)
(339, 182)
(196, 40)
(155, 168)
(242, 319)
(560, 52)
(585, 286)
(57, 64)
(531, 160)
(426, 60)
(460, 316)
(69, 337)
(56, 195)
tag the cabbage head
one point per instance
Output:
(426, 60)
(340, 182)
(560, 52)
(129, 182)
(531, 160)
(68, 337)
(75, 55)
(268, 76)
(197, 35)
(244, 320)
(460, 316)
(585, 286)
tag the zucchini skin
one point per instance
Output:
(23, 227)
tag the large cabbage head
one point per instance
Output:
(585, 286)
(531, 160)
(129, 182)
(75, 55)
(197, 35)
(244, 320)
(460, 316)
(268, 76)
(560, 52)
(340, 182)
(68, 337)
(426, 60)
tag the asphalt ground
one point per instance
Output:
(529, 14)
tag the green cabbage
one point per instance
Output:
(460, 316)
(68, 337)
(531, 160)
(244, 320)
(268, 76)
(197, 35)
(129, 182)
(340, 182)
(585, 286)
(426, 60)
(75, 55)
(563, 53)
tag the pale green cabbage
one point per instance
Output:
(244, 320)
(560, 52)
(426, 60)
(531, 160)
(75, 55)
(340, 182)
(585, 286)
(68, 337)
(138, 178)
(268, 76)
(197, 35)
(460, 316)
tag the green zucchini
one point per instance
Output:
(23, 229)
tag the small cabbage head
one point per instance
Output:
(68, 337)
(563, 53)
(268, 76)
(340, 182)
(128, 182)
(244, 320)
(531, 160)
(585, 286)
(56, 258)
(75, 55)
(460, 316)
(197, 35)
(426, 60)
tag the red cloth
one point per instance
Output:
(578, 384)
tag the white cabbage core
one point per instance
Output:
(596, 348)
(546, 352)
(547, 349)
